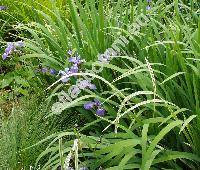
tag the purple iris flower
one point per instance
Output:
(52, 71)
(149, 1)
(74, 69)
(100, 112)
(97, 102)
(44, 70)
(75, 91)
(72, 59)
(148, 7)
(4, 56)
(92, 86)
(89, 105)
(76, 60)
(3, 8)
(9, 49)
(83, 84)
(20, 44)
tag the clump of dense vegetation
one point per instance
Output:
(100, 84)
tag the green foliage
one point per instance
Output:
(118, 152)
(150, 90)
(16, 76)
(122, 150)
